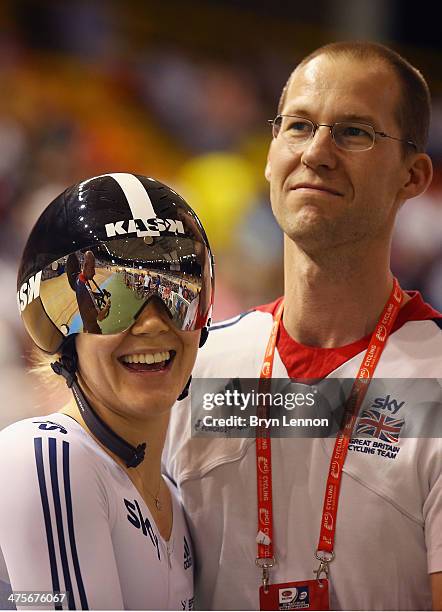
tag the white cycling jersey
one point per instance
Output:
(389, 522)
(71, 520)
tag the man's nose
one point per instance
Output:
(320, 150)
(152, 320)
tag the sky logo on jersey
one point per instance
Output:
(51, 426)
(29, 291)
(136, 518)
(144, 227)
(187, 555)
(373, 423)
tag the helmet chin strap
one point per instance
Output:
(185, 392)
(203, 339)
(66, 366)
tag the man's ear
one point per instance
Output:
(420, 173)
(267, 170)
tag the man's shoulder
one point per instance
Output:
(244, 320)
(263, 309)
(426, 332)
(237, 329)
(235, 346)
(438, 321)
(415, 350)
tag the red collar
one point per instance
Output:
(303, 361)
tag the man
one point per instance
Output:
(347, 152)
(147, 282)
(90, 313)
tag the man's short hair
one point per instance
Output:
(414, 109)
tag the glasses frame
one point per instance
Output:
(332, 126)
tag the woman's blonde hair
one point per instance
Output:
(40, 366)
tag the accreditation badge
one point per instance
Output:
(303, 595)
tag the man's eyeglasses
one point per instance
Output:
(347, 135)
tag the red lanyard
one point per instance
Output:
(265, 558)
(324, 553)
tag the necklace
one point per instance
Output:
(156, 498)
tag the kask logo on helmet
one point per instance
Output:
(144, 227)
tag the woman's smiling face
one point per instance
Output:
(139, 372)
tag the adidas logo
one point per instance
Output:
(187, 555)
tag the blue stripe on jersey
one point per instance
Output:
(232, 322)
(70, 517)
(59, 518)
(47, 516)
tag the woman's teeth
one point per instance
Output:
(147, 357)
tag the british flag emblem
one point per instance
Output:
(373, 423)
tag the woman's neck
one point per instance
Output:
(146, 477)
(152, 431)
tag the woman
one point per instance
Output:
(87, 511)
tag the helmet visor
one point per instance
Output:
(103, 289)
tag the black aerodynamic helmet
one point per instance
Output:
(105, 247)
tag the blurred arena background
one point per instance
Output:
(181, 91)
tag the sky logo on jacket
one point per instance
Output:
(385, 403)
